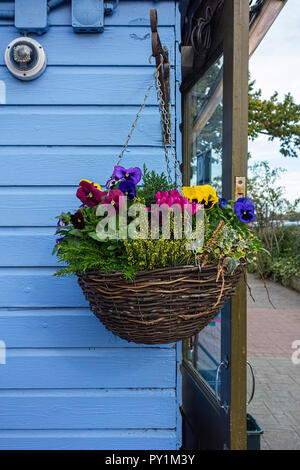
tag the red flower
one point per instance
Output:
(89, 193)
(114, 200)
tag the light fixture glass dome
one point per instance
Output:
(25, 58)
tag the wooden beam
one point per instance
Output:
(207, 111)
(235, 151)
(268, 14)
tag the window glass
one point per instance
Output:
(205, 147)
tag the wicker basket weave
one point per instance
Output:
(159, 306)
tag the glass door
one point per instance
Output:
(215, 152)
(206, 144)
(204, 353)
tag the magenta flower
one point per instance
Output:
(162, 197)
(89, 193)
(175, 198)
(132, 175)
(115, 198)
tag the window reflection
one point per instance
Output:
(205, 135)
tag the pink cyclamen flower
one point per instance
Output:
(175, 198)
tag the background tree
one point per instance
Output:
(276, 119)
(271, 207)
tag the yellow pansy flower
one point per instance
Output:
(97, 186)
(190, 192)
(204, 194)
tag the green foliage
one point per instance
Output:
(153, 182)
(285, 260)
(152, 254)
(276, 119)
(283, 269)
(282, 242)
(226, 238)
(234, 242)
(270, 204)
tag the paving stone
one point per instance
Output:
(264, 444)
(265, 420)
(282, 440)
(281, 297)
(276, 404)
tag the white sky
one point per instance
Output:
(276, 67)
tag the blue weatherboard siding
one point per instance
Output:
(68, 382)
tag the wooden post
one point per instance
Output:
(235, 137)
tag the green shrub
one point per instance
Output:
(282, 269)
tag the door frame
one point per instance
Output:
(234, 27)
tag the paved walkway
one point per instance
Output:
(271, 332)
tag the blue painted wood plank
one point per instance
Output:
(93, 368)
(36, 206)
(178, 146)
(88, 439)
(59, 328)
(87, 409)
(27, 247)
(120, 46)
(66, 166)
(131, 13)
(82, 86)
(37, 287)
(78, 125)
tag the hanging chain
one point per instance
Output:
(165, 121)
(133, 126)
(167, 139)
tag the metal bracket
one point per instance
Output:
(109, 7)
(160, 52)
(88, 15)
(31, 16)
(240, 187)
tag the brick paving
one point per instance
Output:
(271, 332)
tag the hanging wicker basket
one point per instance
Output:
(160, 306)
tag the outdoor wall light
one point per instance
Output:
(25, 58)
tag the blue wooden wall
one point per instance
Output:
(68, 383)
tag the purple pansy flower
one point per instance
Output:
(128, 189)
(59, 240)
(223, 202)
(110, 183)
(132, 175)
(61, 223)
(244, 209)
